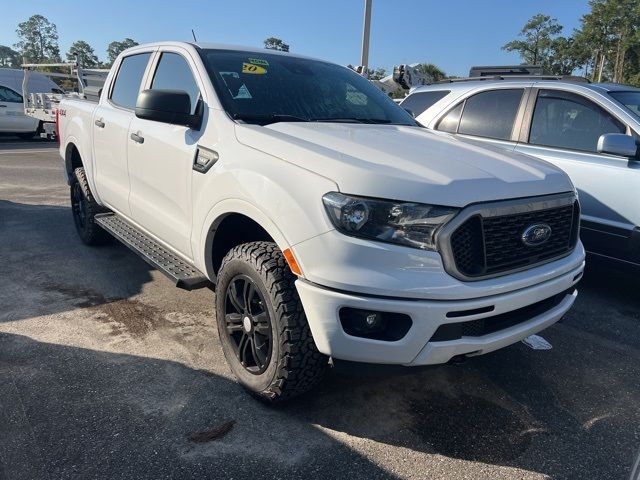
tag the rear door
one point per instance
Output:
(110, 126)
(490, 116)
(563, 128)
(417, 103)
(161, 157)
(12, 117)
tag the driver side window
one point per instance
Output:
(173, 73)
(566, 120)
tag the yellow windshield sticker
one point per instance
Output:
(259, 61)
(254, 69)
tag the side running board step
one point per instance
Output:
(184, 275)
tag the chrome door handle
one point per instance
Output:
(99, 123)
(137, 138)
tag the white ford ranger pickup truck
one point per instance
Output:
(329, 223)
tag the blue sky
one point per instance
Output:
(452, 34)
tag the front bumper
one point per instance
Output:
(322, 306)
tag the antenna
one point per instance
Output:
(194, 35)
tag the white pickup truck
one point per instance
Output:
(329, 223)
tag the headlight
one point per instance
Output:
(410, 224)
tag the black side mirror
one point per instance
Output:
(167, 106)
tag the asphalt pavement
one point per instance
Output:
(107, 371)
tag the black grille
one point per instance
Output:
(488, 246)
(468, 247)
(485, 326)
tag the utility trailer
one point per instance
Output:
(403, 79)
(44, 106)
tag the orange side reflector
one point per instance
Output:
(291, 260)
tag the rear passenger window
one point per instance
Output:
(449, 123)
(173, 73)
(420, 101)
(127, 85)
(491, 114)
(566, 120)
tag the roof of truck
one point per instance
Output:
(221, 46)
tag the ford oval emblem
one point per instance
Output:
(537, 234)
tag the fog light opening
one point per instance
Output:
(375, 325)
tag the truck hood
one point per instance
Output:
(405, 163)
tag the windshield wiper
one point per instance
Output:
(266, 119)
(351, 120)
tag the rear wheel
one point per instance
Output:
(30, 135)
(263, 329)
(84, 208)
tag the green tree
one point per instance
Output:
(432, 70)
(564, 58)
(274, 43)
(541, 44)
(376, 74)
(610, 32)
(538, 33)
(116, 48)
(84, 52)
(38, 40)
(9, 58)
(632, 66)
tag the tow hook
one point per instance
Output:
(458, 360)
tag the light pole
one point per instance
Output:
(364, 59)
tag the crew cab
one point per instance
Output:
(328, 222)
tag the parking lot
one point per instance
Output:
(108, 371)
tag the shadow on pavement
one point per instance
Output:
(46, 269)
(612, 280)
(570, 412)
(10, 142)
(547, 412)
(68, 412)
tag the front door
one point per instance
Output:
(564, 130)
(12, 117)
(110, 126)
(161, 159)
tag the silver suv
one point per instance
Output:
(589, 130)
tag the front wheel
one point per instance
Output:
(263, 329)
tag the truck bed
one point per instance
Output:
(80, 111)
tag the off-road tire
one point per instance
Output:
(84, 208)
(295, 365)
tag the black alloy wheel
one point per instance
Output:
(248, 324)
(262, 326)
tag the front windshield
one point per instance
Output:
(630, 99)
(265, 88)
